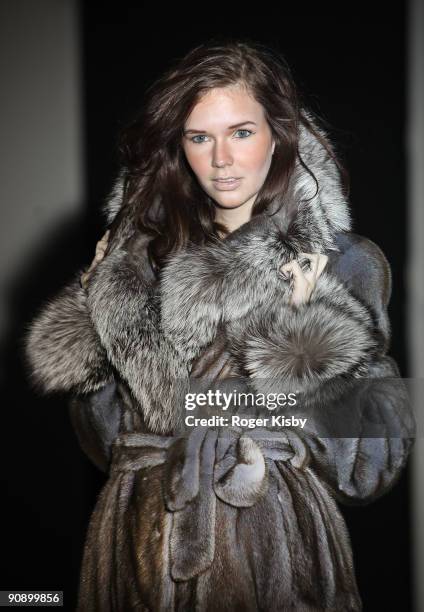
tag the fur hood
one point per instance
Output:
(147, 333)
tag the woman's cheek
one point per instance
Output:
(199, 164)
(258, 156)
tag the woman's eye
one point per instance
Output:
(243, 134)
(198, 141)
(248, 132)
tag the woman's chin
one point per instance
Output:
(229, 203)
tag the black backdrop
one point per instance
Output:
(350, 63)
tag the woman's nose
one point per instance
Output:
(221, 155)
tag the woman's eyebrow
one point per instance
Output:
(230, 127)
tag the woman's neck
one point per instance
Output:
(233, 218)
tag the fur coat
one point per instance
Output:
(241, 519)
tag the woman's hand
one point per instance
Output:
(101, 247)
(303, 281)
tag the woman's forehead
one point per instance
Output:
(224, 107)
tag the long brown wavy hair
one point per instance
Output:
(155, 167)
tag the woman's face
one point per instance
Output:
(227, 136)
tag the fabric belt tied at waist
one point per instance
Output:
(200, 467)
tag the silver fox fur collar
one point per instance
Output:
(148, 332)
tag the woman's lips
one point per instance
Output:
(226, 185)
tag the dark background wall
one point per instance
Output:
(351, 66)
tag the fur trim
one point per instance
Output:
(113, 203)
(307, 345)
(202, 286)
(125, 314)
(328, 201)
(62, 350)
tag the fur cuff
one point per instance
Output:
(304, 346)
(62, 350)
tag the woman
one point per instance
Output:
(229, 258)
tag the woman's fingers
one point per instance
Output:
(318, 261)
(310, 270)
(300, 286)
(299, 267)
(303, 280)
(321, 263)
(84, 279)
(101, 247)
